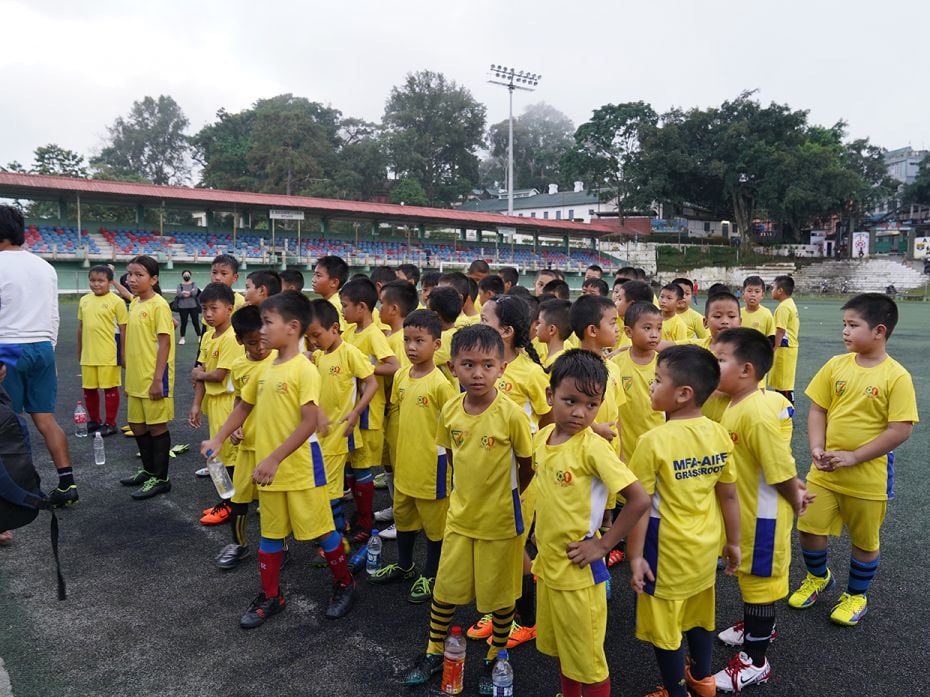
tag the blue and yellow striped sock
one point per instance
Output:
(861, 574)
(816, 561)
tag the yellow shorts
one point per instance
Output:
(661, 622)
(490, 572)
(335, 466)
(246, 489)
(391, 427)
(100, 377)
(571, 625)
(781, 377)
(827, 514)
(305, 512)
(141, 410)
(369, 455)
(412, 514)
(217, 409)
(762, 590)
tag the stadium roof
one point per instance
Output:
(559, 199)
(36, 187)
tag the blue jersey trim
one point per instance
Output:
(319, 470)
(517, 511)
(651, 553)
(763, 548)
(890, 486)
(442, 469)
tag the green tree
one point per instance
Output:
(409, 192)
(433, 129)
(53, 159)
(919, 190)
(149, 143)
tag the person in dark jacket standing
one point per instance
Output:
(188, 304)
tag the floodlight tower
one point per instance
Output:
(513, 80)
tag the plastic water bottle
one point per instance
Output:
(453, 663)
(100, 454)
(373, 555)
(359, 559)
(220, 477)
(502, 676)
(80, 421)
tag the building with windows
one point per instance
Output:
(577, 205)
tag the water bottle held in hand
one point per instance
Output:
(502, 676)
(80, 421)
(100, 454)
(373, 557)
(453, 663)
(220, 477)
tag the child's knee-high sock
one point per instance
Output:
(433, 553)
(501, 623)
(364, 498)
(701, 648)
(335, 554)
(339, 516)
(570, 688)
(161, 454)
(440, 618)
(861, 574)
(237, 521)
(144, 441)
(405, 542)
(526, 603)
(270, 553)
(758, 622)
(111, 405)
(672, 669)
(599, 689)
(92, 402)
(816, 561)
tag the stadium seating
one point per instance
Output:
(49, 240)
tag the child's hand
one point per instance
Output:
(350, 420)
(193, 418)
(731, 556)
(197, 373)
(265, 471)
(639, 574)
(156, 391)
(839, 458)
(322, 423)
(209, 446)
(604, 431)
(802, 499)
(237, 436)
(587, 551)
(817, 457)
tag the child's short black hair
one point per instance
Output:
(682, 281)
(674, 288)
(360, 290)
(720, 296)
(479, 266)
(495, 284)
(245, 320)
(430, 279)
(217, 291)
(424, 319)
(588, 310)
(596, 268)
(754, 281)
(446, 302)
(509, 275)
(521, 292)
(557, 312)
(292, 277)
(786, 283)
(459, 281)
(558, 288)
(382, 275)
(598, 283)
(587, 369)
(637, 291)
(101, 268)
(749, 346)
(411, 272)
(324, 312)
(627, 272)
(226, 260)
(717, 288)
(335, 267)
(402, 294)
(875, 309)
(268, 279)
(12, 225)
(472, 288)
(291, 307)
(694, 367)
(640, 273)
(637, 310)
(479, 337)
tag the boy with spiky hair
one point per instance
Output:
(329, 275)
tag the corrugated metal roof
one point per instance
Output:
(557, 200)
(42, 187)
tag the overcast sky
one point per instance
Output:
(70, 67)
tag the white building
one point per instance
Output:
(577, 205)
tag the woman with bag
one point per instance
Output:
(188, 304)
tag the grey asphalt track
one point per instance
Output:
(148, 613)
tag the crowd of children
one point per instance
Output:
(528, 437)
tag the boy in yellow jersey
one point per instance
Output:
(673, 327)
(101, 348)
(542, 278)
(625, 294)
(554, 328)
(329, 275)
(214, 394)
(350, 386)
(225, 270)
(787, 327)
(428, 282)
(468, 291)
(488, 446)
(863, 406)
(290, 473)
(694, 320)
(754, 314)
(576, 470)
(685, 466)
(291, 280)
(381, 276)
(769, 492)
(488, 287)
(358, 297)
(246, 324)
(422, 478)
(446, 303)
(261, 285)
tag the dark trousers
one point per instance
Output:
(194, 315)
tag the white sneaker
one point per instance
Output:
(389, 533)
(181, 341)
(384, 515)
(733, 636)
(740, 673)
(202, 472)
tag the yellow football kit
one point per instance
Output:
(636, 413)
(101, 317)
(245, 369)
(147, 320)
(784, 368)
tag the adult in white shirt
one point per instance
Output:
(28, 334)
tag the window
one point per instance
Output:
(591, 212)
(558, 215)
(571, 213)
(546, 215)
(706, 227)
(519, 215)
(533, 214)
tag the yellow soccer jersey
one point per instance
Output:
(761, 320)
(541, 349)
(219, 352)
(674, 329)
(443, 356)
(679, 464)
(573, 480)
(614, 399)
(694, 323)
(860, 403)
(762, 459)
(552, 357)
(572, 342)
(148, 319)
(467, 320)
(784, 409)
(101, 317)
(485, 499)
(396, 342)
(376, 319)
(277, 396)
(636, 413)
(340, 371)
(422, 472)
(525, 382)
(335, 302)
(373, 344)
(786, 317)
(715, 405)
(244, 369)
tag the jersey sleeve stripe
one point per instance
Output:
(651, 544)
(442, 467)
(316, 455)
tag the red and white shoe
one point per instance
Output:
(740, 673)
(733, 636)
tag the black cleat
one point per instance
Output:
(63, 497)
(138, 479)
(260, 610)
(152, 487)
(428, 665)
(344, 597)
(231, 555)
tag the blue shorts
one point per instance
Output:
(31, 377)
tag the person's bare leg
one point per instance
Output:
(55, 439)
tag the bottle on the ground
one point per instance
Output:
(453, 663)
(373, 555)
(359, 559)
(100, 453)
(80, 421)
(220, 477)
(502, 676)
